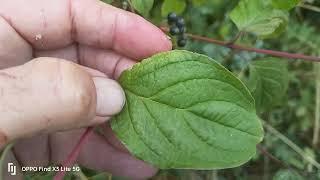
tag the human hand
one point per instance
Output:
(53, 94)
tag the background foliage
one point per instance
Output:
(287, 92)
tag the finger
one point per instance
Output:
(106, 61)
(68, 53)
(11, 171)
(38, 153)
(110, 27)
(52, 94)
(108, 134)
(54, 24)
(11, 43)
(98, 154)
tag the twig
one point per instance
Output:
(266, 168)
(291, 144)
(251, 49)
(316, 126)
(131, 6)
(233, 40)
(316, 129)
(72, 157)
(309, 7)
(257, 50)
(265, 152)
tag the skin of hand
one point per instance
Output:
(57, 62)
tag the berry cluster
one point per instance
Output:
(177, 28)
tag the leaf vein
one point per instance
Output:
(140, 137)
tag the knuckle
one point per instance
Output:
(80, 91)
(71, 86)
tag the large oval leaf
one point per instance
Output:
(184, 110)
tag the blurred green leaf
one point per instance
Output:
(47, 176)
(142, 6)
(107, 1)
(259, 17)
(287, 4)
(177, 6)
(287, 175)
(268, 82)
(101, 176)
(198, 2)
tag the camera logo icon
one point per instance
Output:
(12, 169)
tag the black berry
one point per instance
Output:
(174, 30)
(182, 42)
(172, 18)
(182, 30)
(180, 22)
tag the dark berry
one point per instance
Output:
(172, 18)
(182, 30)
(180, 22)
(182, 42)
(174, 30)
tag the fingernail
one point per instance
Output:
(110, 97)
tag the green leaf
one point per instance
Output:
(177, 6)
(184, 110)
(142, 6)
(287, 4)
(107, 1)
(268, 82)
(259, 17)
(101, 176)
(287, 175)
(198, 2)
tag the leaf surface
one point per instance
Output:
(287, 5)
(177, 6)
(184, 110)
(285, 174)
(268, 82)
(143, 6)
(259, 17)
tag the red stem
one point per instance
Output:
(251, 49)
(257, 50)
(72, 157)
(266, 153)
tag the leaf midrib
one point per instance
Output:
(187, 110)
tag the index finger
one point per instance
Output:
(105, 26)
(47, 24)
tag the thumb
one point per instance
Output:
(48, 94)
